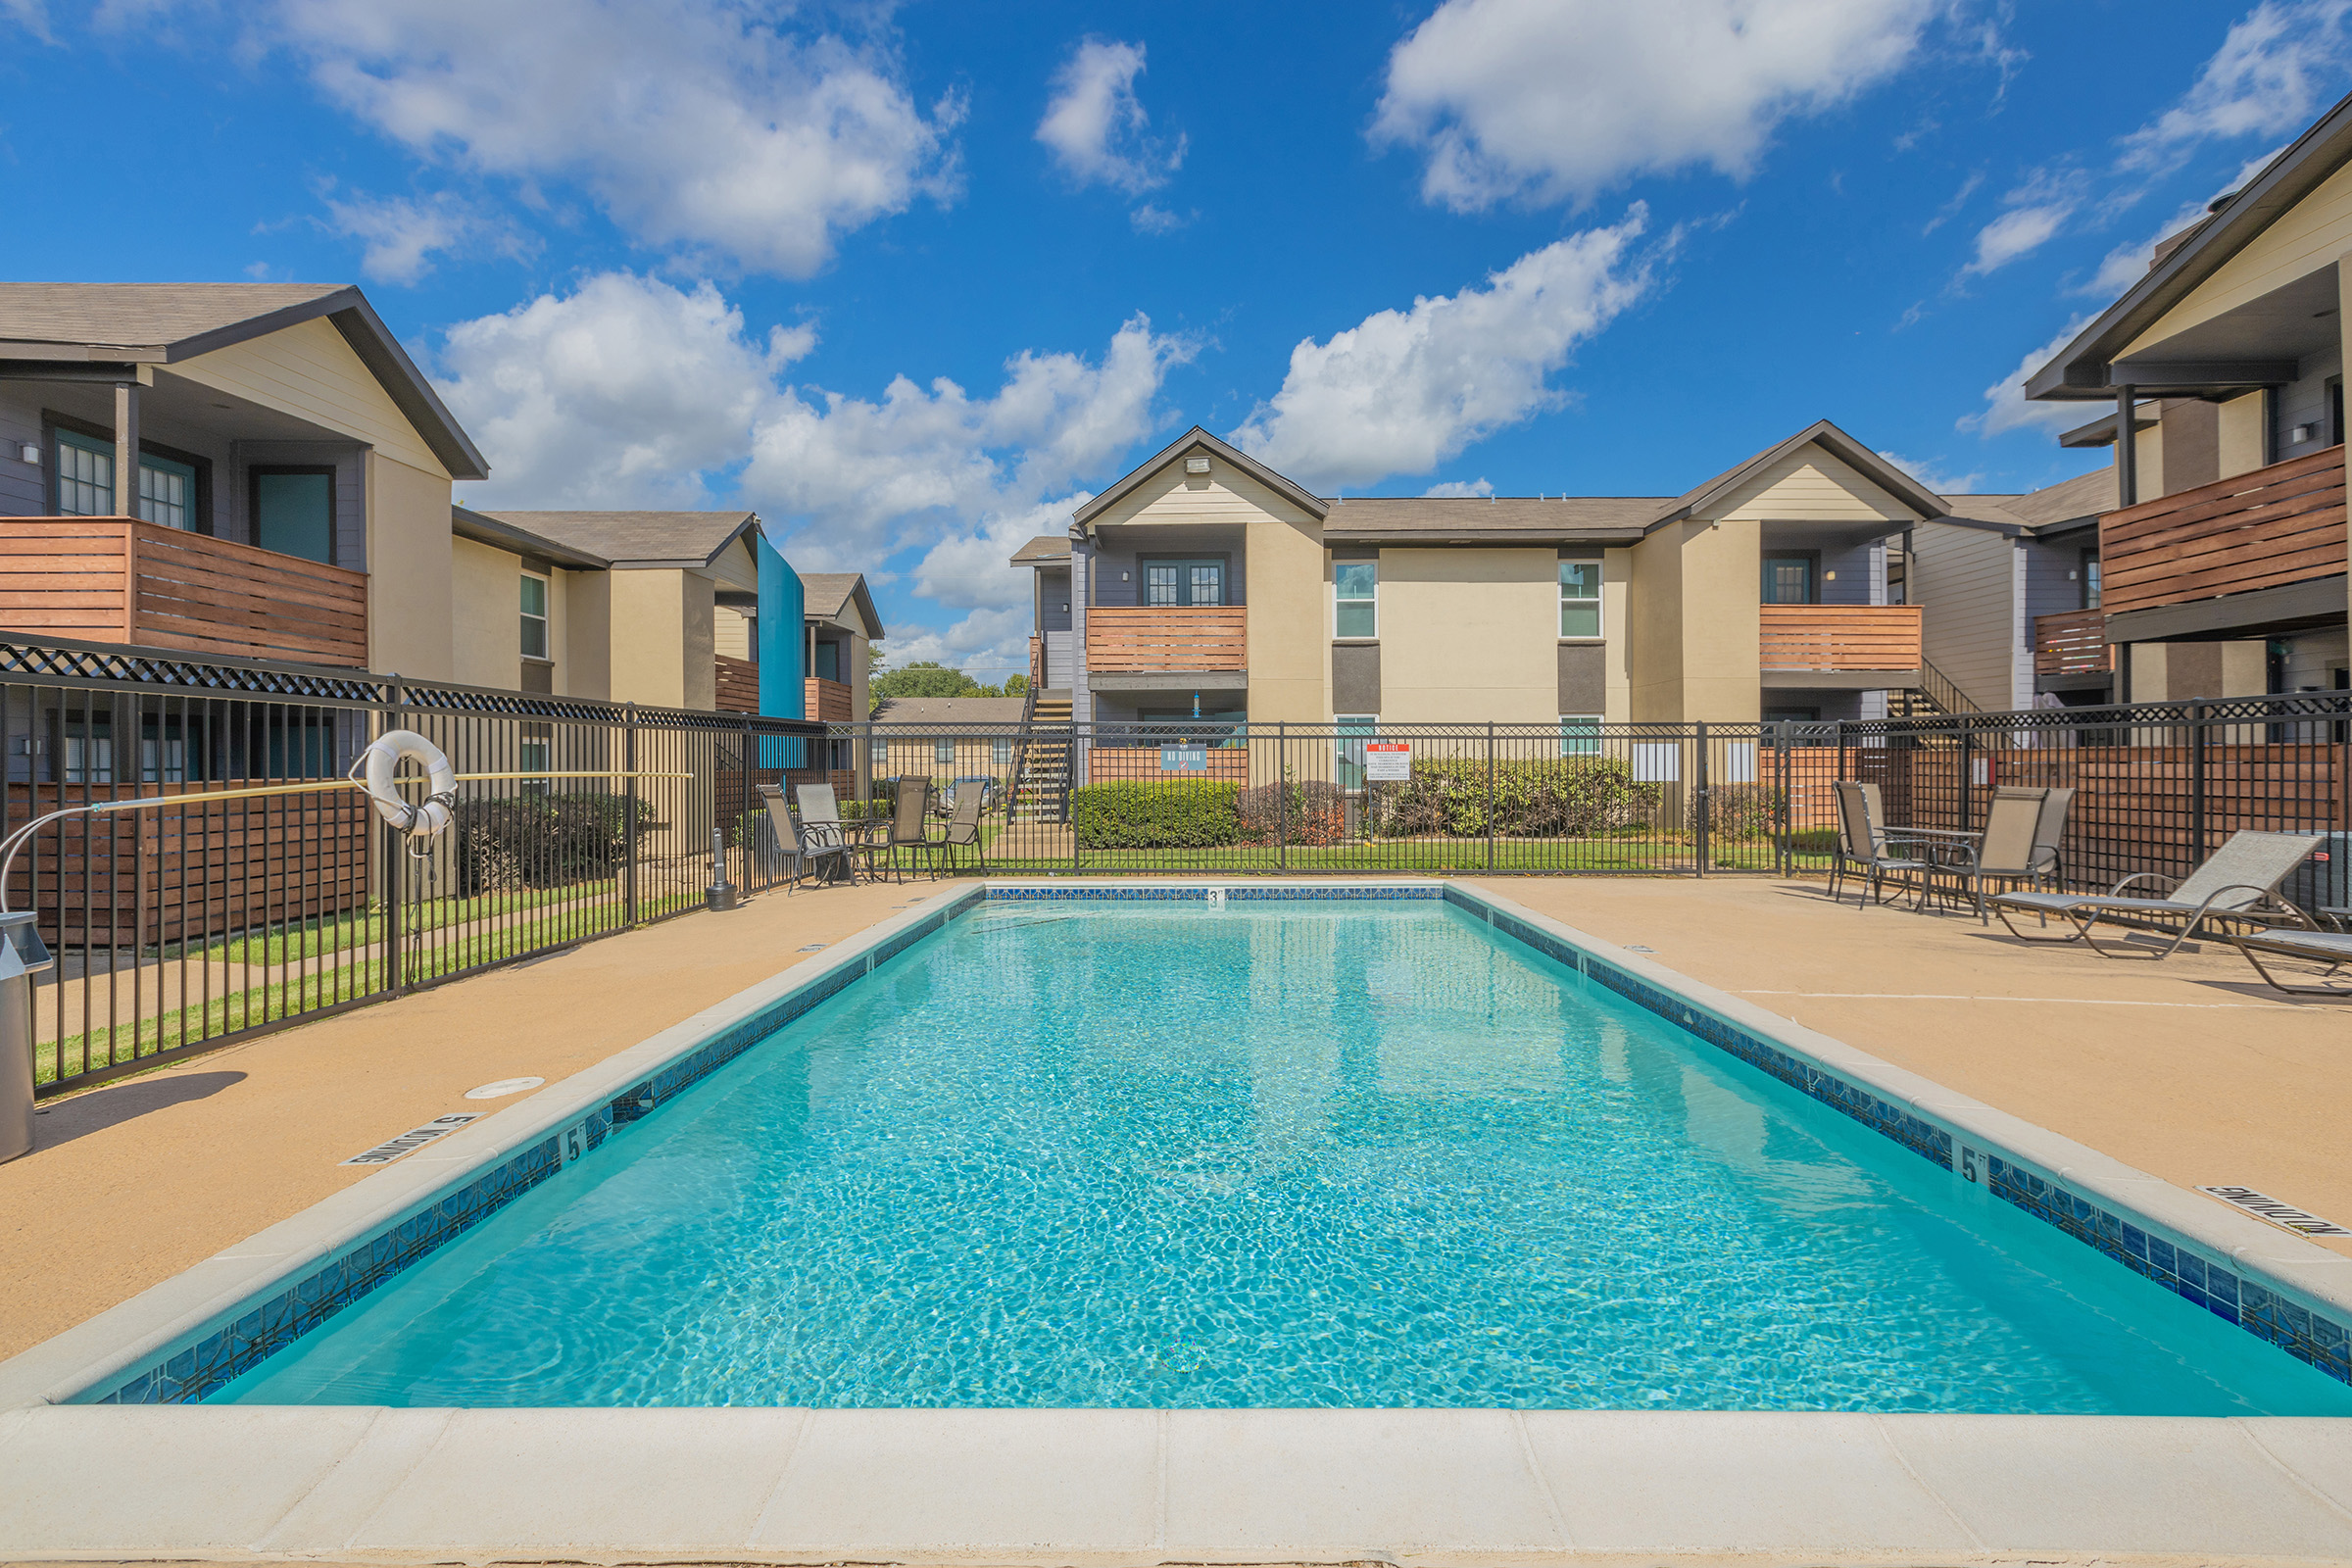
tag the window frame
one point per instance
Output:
(1600, 626)
(1351, 733)
(1183, 581)
(547, 629)
(1812, 564)
(256, 472)
(943, 751)
(155, 462)
(63, 438)
(2088, 583)
(1586, 742)
(1338, 603)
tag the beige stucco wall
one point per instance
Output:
(409, 571)
(2241, 434)
(486, 611)
(1469, 636)
(661, 638)
(309, 372)
(1652, 634)
(588, 633)
(1616, 618)
(1692, 645)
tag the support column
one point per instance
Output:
(2126, 447)
(126, 449)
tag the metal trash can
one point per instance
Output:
(23, 955)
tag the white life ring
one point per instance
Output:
(380, 762)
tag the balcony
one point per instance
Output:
(736, 686)
(2277, 532)
(1821, 642)
(125, 580)
(1167, 639)
(828, 702)
(2074, 643)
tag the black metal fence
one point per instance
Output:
(203, 919)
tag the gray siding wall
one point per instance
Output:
(2305, 402)
(1855, 583)
(1119, 577)
(1967, 587)
(2049, 591)
(24, 486)
(1053, 600)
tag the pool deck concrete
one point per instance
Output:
(2184, 1069)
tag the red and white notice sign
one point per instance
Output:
(1388, 760)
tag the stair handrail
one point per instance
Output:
(1020, 751)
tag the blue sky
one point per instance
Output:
(912, 280)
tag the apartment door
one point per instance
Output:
(1789, 579)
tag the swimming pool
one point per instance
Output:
(1266, 1151)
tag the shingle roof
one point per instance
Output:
(637, 538)
(938, 711)
(1042, 550)
(2072, 502)
(1443, 519)
(165, 323)
(834, 596)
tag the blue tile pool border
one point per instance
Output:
(295, 1305)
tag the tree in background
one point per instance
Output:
(927, 677)
(1016, 685)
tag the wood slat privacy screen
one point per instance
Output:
(1837, 637)
(2073, 642)
(737, 684)
(2265, 529)
(1169, 637)
(830, 700)
(125, 580)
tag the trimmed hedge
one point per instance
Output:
(1570, 797)
(1742, 811)
(542, 841)
(1182, 814)
(1316, 812)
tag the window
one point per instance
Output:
(1352, 731)
(1579, 598)
(1580, 734)
(167, 491)
(534, 616)
(531, 758)
(2090, 581)
(881, 753)
(294, 511)
(1183, 582)
(1787, 579)
(1003, 751)
(85, 476)
(943, 751)
(1355, 590)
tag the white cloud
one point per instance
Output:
(627, 392)
(2033, 215)
(694, 125)
(2274, 71)
(1562, 99)
(31, 15)
(402, 234)
(1095, 125)
(1150, 219)
(1936, 477)
(1460, 488)
(1403, 391)
(2005, 405)
(2128, 264)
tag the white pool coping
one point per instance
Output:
(1120, 1487)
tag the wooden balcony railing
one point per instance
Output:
(2072, 643)
(829, 702)
(1166, 637)
(738, 685)
(126, 580)
(2265, 529)
(1838, 637)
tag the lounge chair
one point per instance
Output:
(2238, 877)
(2008, 850)
(1867, 849)
(910, 803)
(2330, 948)
(802, 856)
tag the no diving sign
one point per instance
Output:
(1387, 762)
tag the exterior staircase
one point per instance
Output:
(1934, 697)
(1043, 756)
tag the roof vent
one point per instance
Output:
(1196, 464)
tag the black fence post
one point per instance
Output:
(628, 818)
(392, 857)
(2198, 726)
(1699, 802)
(1783, 818)
(1282, 796)
(1489, 797)
(1968, 780)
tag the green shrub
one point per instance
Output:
(1186, 814)
(541, 840)
(1742, 811)
(1316, 812)
(1570, 797)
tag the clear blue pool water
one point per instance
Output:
(1278, 1155)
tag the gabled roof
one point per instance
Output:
(942, 711)
(484, 529)
(684, 540)
(2055, 509)
(1199, 440)
(836, 596)
(1822, 433)
(166, 323)
(2083, 369)
(1043, 550)
(1496, 520)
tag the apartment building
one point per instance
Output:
(2009, 588)
(1207, 587)
(2223, 552)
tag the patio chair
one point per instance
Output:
(2238, 877)
(964, 827)
(821, 824)
(1869, 850)
(910, 805)
(800, 851)
(2009, 850)
(2330, 948)
(2049, 834)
